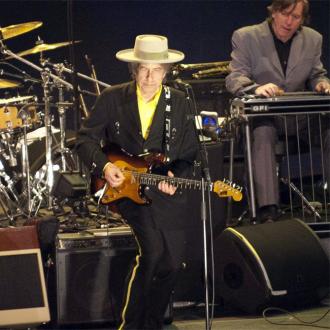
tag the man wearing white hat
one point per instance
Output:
(146, 116)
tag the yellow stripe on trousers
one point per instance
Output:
(137, 259)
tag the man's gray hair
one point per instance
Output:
(133, 67)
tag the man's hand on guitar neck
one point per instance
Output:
(113, 175)
(165, 187)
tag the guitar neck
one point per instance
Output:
(154, 179)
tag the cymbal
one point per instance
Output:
(4, 83)
(15, 30)
(16, 99)
(45, 47)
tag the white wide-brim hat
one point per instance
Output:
(150, 48)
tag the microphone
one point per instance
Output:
(179, 83)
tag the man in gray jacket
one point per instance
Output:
(280, 54)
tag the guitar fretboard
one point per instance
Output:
(154, 179)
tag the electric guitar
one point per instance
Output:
(137, 173)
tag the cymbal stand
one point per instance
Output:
(80, 75)
(25, 159)
(62, 119)
(45, 76)
(4, 50)
(31, 187)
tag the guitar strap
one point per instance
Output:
(168, 110)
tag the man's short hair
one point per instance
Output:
(280, 5)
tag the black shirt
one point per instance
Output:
(282, 48)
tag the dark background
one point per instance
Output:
(201, 29)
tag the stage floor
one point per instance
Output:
(192, 318)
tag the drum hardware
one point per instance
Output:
(39, 188)
(93, 74)
(97, 87)
(23, 77)
(63, 68)
(82, 104)
(80, 75)
(7, 205)
(61, 109)
(24, 116)
(18, 29)
(46, 77)
(9, 144)
(12, 206)
(6, 51)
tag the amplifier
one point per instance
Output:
(116, 238)
(91, 269)
(210, 94)
(23, 294)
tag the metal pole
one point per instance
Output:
(250, 170)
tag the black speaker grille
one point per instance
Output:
(90, 284)
(20, 284)
(272, 264)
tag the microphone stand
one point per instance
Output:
(206, 183)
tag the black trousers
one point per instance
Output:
(153, 275)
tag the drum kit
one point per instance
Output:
(24, 190)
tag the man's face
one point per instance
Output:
(287, 22)
(149, 77)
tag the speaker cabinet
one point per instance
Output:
(271, 264)
(23, 293)
(69, 184)
(91, 272)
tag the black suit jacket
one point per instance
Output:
(115, 119)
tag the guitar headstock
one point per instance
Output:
(228, 189)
